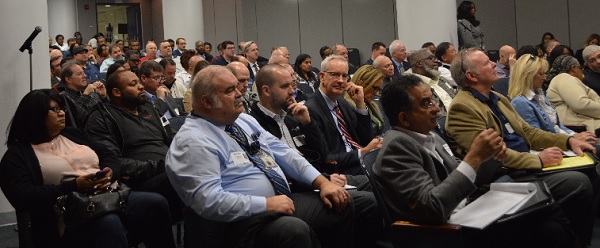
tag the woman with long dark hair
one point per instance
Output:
(470, 33)
(304, 75)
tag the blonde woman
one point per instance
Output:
(371, 79)
(528, 99)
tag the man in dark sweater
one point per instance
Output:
(131, 128)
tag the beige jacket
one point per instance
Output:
(576, 103)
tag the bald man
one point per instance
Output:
(507, 57)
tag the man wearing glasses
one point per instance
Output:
(151, 75)
(228, 53)
(346, 129)
(425, 65)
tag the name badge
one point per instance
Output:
(268, 160)
(176, 111)
(509, 128)
(300, 140)
(240, 157)
(164, 121)
(447, 148)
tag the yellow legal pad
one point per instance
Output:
(573, 162)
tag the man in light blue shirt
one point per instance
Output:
(115, 54)
(217, 176)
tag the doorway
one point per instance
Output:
(119, 22)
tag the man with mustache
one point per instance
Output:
(131, 128)
(230, 172)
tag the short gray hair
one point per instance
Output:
(247, 45)
(395, 45)
(377, 62)
(204, 84)
(418, 55)
(325, 63)
(589, 50)
(461, 64)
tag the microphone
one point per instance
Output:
(27, 42)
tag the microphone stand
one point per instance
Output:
(30, 49)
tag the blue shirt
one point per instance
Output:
(92, 74)
(201, 167)
(513, 141)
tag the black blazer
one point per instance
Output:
(337, 159)
(260, 65)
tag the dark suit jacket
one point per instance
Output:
(260, 65)
(416, 186)
(338, 160)
(314, 146)
(404, 64)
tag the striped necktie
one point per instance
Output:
(279, 184)
(342, 125)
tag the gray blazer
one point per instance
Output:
(416, 186)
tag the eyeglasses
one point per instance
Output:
(429, 104)
(337, 75)
(56, 109)
(159, 78)
(532, 58)
(376, 89)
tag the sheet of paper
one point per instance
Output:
(572, 162)
(486, 209)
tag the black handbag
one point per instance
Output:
(79, 208)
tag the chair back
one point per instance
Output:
(367, 162)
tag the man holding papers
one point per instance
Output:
(477, 107)
(423, 182)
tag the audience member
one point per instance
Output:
(470, 33)
(476, 108)
(425, 66)
(429, 45)
(181, 44)
(228, 53)
(151, 50)
(346, 128)
(507, 59)
(132, 130)
(385, 65)
(242, 74)
(46, 160)
(398, 52)
(176, 88)
(593, 39)
(371, 80)
(341, 50)
(575, 102)
(251, 53)
(60, 43)
(324, 51)
(156, 93)
(377, 49)
(591, 55)
(307, 80)
(529, 100)
(132, 57)
(115, 54)
(82, 96)
(187, 98)
(188, 62)
(55, 68)
(92, 74)
(423, 182)
(201, 51)
(101, 54)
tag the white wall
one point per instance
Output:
(423, 21)
(62, 18)
(14, 82)
(183, 18)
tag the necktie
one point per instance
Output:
(255, 68)
(344, 128)
(279, 184)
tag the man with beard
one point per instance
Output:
(130, 127)
(240, 71)
(425, 65)
(202, 52)
(115, 54)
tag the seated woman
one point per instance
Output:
(45, 160)
(308, 80)
(576, 103)
(526, 78)
(371, 79)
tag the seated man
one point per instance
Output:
(346, 129)
(423, 182)
(477, 107)
(230, 172)
(81, 96)
(131, 128)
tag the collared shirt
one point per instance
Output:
(540, 99)
(92, 74)
(153, 98)
(107, 63)
(331, 105)
(502, 71)
(85, 101)
(209, 172)
(433, 83)
(184, 78)
(286, 137)
(512, 140)
(399, 66)
(428, 142)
